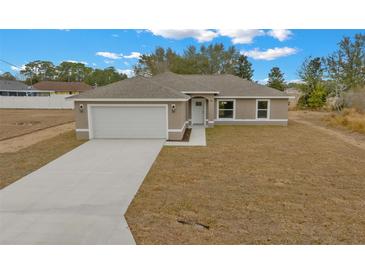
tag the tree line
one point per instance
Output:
(39, 70)
(335, 74)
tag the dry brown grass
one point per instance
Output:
(15, 122)
(14, 166)
(351, 119)
(254, 185)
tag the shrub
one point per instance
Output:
(317, 98)
(351, 119)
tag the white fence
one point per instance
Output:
(42, 102)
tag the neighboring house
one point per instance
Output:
(13, 88)
(163, 106)
(294, 96)
(15, 94)
(62, 88)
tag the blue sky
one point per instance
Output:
(120, 48)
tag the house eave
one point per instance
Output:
(129, 99)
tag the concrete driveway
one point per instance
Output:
(80, 198)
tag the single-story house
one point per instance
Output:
(13, 88)
(163, 106)
(62, 88)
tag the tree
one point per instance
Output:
(155, 63)
(38, 71)
(214, 59)
(276, 79)
(311, 72)
(102, 77)
(346, 66)
(313, 87)
(243, 68)
(72, 72)
(7, 76)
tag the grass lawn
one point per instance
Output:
(14, 166)
(254, 185)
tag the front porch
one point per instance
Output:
(201, 110)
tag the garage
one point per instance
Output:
(128, 121)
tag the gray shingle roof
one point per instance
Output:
(12, 85)
(169, 85)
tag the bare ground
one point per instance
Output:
(17, 143)
(254, 185)
(318, 120)
(16, 122)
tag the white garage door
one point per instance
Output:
(129, 122)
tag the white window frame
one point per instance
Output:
(234, 109)
(268, 109)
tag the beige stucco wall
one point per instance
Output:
(176, 120)
(245, 108)
(279, 109)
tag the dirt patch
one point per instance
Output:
(254, 185)
(17, 143)
(17, 122)
(319, 120)
(14, 166)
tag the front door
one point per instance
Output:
(197, 110)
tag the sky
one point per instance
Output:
(265, 49)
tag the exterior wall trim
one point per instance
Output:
(89, 120)
(200, 92)
(129, 99)
(251, 120)
(255, 97)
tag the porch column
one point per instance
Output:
(210, 111)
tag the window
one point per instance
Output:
(198, 104)
(225, 109)
(262, 109)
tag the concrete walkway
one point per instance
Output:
(80, 198)
(197, 138)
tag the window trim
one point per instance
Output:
(268, 108)
(234, 109)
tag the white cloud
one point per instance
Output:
(115, 35)
(94, 64)
(129, 72)
(110, 55)
(297, 81)
(280, 34)
(115, 56)
(14, 68)
(74, 61)
(241, 36)
(263, 81)
(199, 35)
(108, 61)
(65, 30)
(270, 54)
(133, 54)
